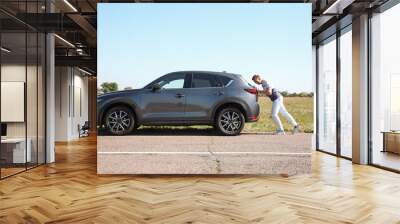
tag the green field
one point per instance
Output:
(301, 109)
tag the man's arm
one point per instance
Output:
(266, 88)
(268, 91)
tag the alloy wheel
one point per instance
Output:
(230, 122)
(119, 121)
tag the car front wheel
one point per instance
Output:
(230, 121)
(120, 120)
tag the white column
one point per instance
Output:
(360, 90)
(50, 92)
(63, 110)
(314, 80)
(50, 98)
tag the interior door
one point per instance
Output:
(167, 104)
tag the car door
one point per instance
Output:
(166, 104)
(204, 93)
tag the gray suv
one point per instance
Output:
(221, 99)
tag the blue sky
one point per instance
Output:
(140, 42)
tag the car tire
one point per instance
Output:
(120, 120)
(230, 121)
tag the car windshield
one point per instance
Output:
(150, 85)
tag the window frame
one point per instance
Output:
(334, 37)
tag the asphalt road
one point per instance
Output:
(203, 141)
(203, 152)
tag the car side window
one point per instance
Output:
(173, 82)
(205, 81)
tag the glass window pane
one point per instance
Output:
(173, 84)
(226, 81)
(204, 81)
(41, 98)
(175, 81)
(385, 84)
(346, 93)
(14, 153)
(31, 97)
(23, 90)
(327, 96)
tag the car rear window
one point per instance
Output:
(204, 81)
(245, 81)
(226, 81)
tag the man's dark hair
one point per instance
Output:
(255, 77)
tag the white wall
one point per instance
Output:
(33, 126)
(17, 73)
(62, 82)
(71, 102)
(80, 112)
(12, 73)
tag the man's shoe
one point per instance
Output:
(296, 129)
(280, 132)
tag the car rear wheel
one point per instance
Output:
(120, 120)
(230, 121)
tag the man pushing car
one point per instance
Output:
(277, 106)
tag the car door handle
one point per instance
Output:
(220, 93)
(179, 95)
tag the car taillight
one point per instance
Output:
(253, 118)
(251, 90)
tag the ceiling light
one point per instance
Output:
(5, 50)
(79, 51)
(65, 41)
(337, 7)
(84, 71)
(70, 5)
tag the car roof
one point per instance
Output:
(230, 75)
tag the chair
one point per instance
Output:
(84, 129)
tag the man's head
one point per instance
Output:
(256, 79)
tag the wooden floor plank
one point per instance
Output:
(70, 191)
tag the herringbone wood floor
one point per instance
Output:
(69, 191)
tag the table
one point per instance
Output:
(13, 150)
(391, 141)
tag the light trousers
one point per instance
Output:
(279, 107)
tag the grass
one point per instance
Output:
(301, 109)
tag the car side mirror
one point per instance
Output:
(156, 87)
